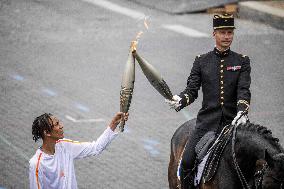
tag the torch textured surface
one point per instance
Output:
(154, 77)
(127, 86)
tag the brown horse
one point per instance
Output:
(259, 156)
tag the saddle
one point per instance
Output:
(210, 149)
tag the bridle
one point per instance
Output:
(258, 176)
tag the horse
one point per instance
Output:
(258, 155)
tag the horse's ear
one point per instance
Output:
(268, 159)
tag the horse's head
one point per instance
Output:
(273, 171)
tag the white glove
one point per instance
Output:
(174, 103)
(242, 120)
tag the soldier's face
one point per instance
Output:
(223, 37)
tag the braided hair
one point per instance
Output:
(41, 123)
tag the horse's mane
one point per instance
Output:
(262, 131)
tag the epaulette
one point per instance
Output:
(245, 57)
(202, 55)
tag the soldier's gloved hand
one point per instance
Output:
(239, 119)
(174, 103)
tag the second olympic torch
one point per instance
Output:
(127, 84)
(154, 77)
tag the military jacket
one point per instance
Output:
(225, 81)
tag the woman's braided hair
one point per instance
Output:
(41, 123)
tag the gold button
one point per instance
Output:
(222, 65)
(222, 82)
(222, 98)
(222, 76)
(222, 103)
(222, 60)
(221, 71)
(222, 92)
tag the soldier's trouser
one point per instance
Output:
(189, 154)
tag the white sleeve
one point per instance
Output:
(85, 149)
(35, 178)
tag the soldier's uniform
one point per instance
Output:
(225, 81)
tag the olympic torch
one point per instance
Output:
(127, 84)
(154, 77)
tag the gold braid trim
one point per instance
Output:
(223, 16)
(220, 27)
(244, 102)
(187, 99)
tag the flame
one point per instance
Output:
(145, 23)
(133, 46)
(138, 36)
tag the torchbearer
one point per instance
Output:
(52, 166)
(127, 84)
(154, 77)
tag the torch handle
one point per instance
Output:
(121, 126)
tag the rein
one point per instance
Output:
(238, 169)
(258, 175)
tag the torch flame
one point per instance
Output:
(133, 46)
(138, 35)
(145, 23)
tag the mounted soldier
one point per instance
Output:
(224, 76)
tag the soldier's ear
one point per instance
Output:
(214, 33)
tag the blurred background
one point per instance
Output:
(67, 57)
